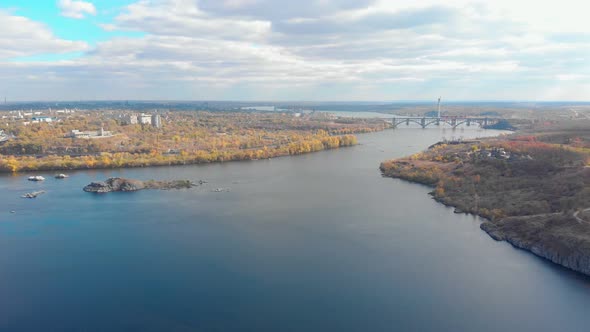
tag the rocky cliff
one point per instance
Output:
(558, 237)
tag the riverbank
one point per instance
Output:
(108, 160)
(91, 140)
(529, 188)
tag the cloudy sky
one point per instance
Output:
(295, 50)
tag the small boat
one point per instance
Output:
(62, 176)
(34, 194)
(36, 178)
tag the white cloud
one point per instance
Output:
(273, 10)
(309, 49)
(237, 4)
(185, 18)
(76, 9)
(21, 36)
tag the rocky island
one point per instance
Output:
(533, 190)
(122, 184)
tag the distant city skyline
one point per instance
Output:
(309, 50)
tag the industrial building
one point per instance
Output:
(89, 134)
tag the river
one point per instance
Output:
(318, 242)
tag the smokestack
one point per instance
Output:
(438, 107)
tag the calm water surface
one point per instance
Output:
(319, 242)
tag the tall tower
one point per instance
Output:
(156, 120)
(438, 107)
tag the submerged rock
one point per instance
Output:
(34, 194)
(122, 184)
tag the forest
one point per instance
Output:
(185, 137)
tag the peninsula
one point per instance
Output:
(534, 190)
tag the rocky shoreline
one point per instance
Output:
(557, 237)
(126, 185)
(533, 203)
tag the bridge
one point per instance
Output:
(453, 121)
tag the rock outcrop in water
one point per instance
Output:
(122, 184)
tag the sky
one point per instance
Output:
(304, 50)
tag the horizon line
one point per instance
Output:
(7, 102)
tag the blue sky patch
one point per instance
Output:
(87, 29)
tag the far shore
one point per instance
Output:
(160, 163)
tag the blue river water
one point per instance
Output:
(318, 242)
